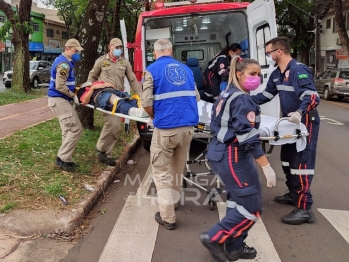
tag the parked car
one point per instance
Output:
(333, 82)
(39, 74)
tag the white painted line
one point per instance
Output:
(258, 237)
(338, 219)
(134, 234)
(146, 182)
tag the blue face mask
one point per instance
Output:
(75, 57)
(117, 52)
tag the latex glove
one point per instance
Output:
(150, 122)
(76, 100)
(269, 175)
(295, 117)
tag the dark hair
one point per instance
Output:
(238, 64)
(234, 47)
(280, 42)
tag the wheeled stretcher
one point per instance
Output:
(272, 131)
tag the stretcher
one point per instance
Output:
(272, 130)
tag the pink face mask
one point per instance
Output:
(252, 82)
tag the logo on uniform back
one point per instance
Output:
(175, 74)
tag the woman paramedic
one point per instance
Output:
(231, 152)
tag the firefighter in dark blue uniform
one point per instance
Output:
(232, 151)
(218, 71)
(293, 82)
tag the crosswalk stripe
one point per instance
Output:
(258, 237)
(132, 238)
(338, 219)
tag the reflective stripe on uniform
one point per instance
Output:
(67, 83)
(302, 171)
(285, 88)
(258, 119)
(174, 94)
(209, 95)
(268, 95)
(307, 93)
(285, 163)
(241, 210)
(245, 137)
(225, 118)
(215, 61)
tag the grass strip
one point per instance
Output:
(10, 97)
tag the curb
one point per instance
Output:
(107, 177)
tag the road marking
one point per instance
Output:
(333, 122)
(338, 104)
(339, 220)
(134, 234)
(258, 237)
(146, 182)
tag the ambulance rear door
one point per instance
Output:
(262, 28)
(126, 83)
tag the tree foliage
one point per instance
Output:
(19, 22)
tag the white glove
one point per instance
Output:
(295, 117)
(150, 122)
(76, 100)
(269, 175)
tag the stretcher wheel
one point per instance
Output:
(185, 185)
(212, 204)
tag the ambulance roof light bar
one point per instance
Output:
(169, 4)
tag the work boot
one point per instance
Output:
(245, 252)
(286, 199)
(169, 226)
(66, 166)
(102, 156)
(216, 249)
(299, 216)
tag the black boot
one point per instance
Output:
(66, 166)
(169, 226)
(286, 199)
(245, 252)
(299, 216)
(102, 156)
(216, 249)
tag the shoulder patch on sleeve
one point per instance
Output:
(302, 76)
(63, 72)
(251, 116)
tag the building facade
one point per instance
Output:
(332, 52)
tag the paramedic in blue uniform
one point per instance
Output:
(170, 97)
(294, 83)
(60, 94)
(217, 72)
(232, 152)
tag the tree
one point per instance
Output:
(89, 37)
(342, 31)
(19, 22)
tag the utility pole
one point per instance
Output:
(317, 22)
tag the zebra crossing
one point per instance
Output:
(135, 227)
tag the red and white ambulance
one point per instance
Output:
(201, 29)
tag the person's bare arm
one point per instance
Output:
(150, 111)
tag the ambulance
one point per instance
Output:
(200, 29)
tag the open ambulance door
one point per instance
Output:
(262, 28)
(126, 83)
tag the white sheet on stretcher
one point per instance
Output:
(266, 128)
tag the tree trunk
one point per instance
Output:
(116, 19)
(89, 36)
(342, 31)
(20, 38)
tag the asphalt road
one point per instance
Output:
(325, 240)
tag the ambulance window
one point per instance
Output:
(262, 36)
(199, 54)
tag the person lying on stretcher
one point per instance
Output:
(104, 95)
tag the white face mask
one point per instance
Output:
(270, 61)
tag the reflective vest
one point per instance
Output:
(52, 91)
(174, 94)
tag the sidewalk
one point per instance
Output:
(20, 230)
(14, 117)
